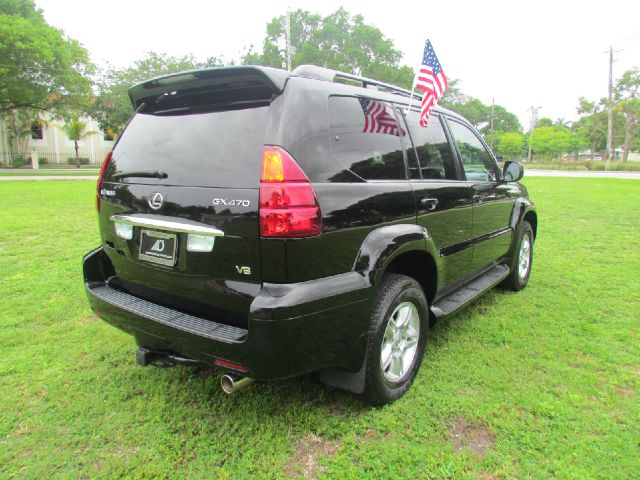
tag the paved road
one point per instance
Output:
(580, 173)
(48, 177)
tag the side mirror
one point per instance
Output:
(512, 171)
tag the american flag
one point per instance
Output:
(431, 80)
(378, 120)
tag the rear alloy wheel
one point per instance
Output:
(397, 338)
(400, 342)
(521, 267)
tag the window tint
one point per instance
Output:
(216, 149)
(434, 151)
(365, 136)
(478, 164)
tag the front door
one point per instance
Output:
(443, 198)
(492, 202)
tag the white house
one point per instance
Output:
(49, 145)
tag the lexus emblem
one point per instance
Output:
(156, 200)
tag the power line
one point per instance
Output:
(628, 46)
(627, 38)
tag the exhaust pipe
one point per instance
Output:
(231, 383)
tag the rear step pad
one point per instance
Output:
(167, 316)
(470, 291)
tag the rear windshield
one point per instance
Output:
(214, 149)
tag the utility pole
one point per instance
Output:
(610, 107)
(492, 109)
(532, 125)
(288, 24)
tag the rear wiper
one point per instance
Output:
(141, 173)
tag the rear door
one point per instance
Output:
(180, 169)
(493, 199)
(443, 199)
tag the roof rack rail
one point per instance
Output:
(329, 75)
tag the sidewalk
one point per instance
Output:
(580, 174)
(48, 177)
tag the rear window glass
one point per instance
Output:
(214, 149)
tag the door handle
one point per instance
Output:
(429, 203)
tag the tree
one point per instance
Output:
(112, 107)
(476, 112)
(591, 128)
(503, 120)
(453, 95)
(40, 68)
(338, 41)
(627, 103)
(76, 130)
(552, 141)
(510, 145)
(544, 122)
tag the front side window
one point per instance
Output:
(477, 162)
(434, 151)
(365, 135)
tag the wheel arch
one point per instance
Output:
(532, 217)
(406, 249)
(402, 249)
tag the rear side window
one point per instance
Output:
(214, 149)
(434, 152)
(365, 135)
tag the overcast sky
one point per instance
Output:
(543, 53)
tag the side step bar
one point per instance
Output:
(458, 299)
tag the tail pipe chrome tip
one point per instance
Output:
(232, 383)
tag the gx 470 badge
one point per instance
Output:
(237, 203)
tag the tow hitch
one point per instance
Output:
(146, 357)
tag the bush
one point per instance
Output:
(19, 162)
(617, 166)
(81, 161)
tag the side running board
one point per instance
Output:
(458, 299)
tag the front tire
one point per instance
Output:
(397, 339)
(521, 266)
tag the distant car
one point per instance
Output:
(274, 223)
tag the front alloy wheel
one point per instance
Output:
(524, 258)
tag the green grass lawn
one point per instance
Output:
(540, 384)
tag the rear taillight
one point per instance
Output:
(103, 169)
(288, 205)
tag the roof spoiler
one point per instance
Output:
(218, 79)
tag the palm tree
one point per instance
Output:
(562, 123)
(76, 130)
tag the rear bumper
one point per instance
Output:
(292, 329)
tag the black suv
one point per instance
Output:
(274, 223)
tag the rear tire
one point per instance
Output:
(521, 266)
(397, 339)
